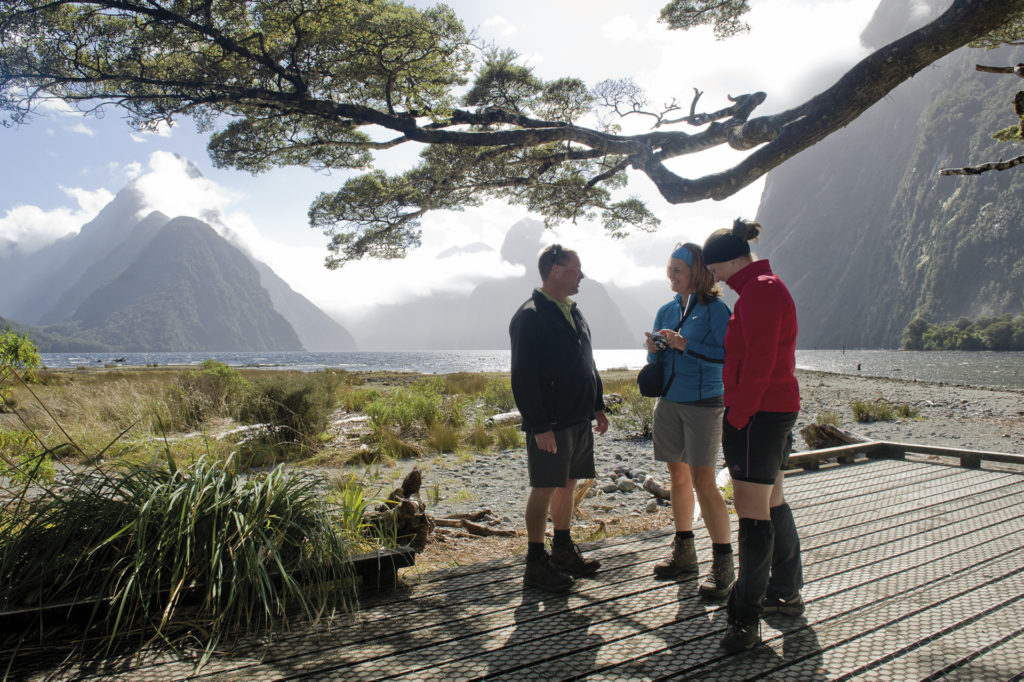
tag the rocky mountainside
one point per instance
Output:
(866, 233)
(133, 281)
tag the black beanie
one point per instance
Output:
(723, 245)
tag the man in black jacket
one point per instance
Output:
(558, 392)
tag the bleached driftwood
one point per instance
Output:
(512, 417)
(821, 436)
(655, 488)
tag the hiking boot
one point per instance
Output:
(682, 561)
(720, 578)
(741, 637)
(567, 558)
(542, 575)
(772, 605)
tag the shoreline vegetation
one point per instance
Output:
(359, 434)
(999, 333)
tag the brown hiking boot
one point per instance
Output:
(542, 575)
(567, 558)
(720, 578)
(683, 560)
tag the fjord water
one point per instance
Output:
(982, 368)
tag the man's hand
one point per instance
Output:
(546, 441)
(602, 422)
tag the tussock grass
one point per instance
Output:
(168, 549)
(443, 437)
(828, 417)
(882, 410)
(509, 438)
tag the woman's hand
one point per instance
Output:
(649, 342)
(673, 339)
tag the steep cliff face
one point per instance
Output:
(866, 233)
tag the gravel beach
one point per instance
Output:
(953, 416)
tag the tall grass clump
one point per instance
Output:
(508, 438)
(498, 395)
(406, 408)
(171, 551)
(465, 383)
(443, 437)
(882, 411)
(214, 389)
(292, 409)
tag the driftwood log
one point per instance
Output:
(405, 512)
(820, 436)
(655, 488)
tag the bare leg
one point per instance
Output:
(712, 505)
(561, 505)
(537, 505)
(681, 485)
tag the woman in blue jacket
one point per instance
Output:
(688, 416)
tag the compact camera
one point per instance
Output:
(659, 341)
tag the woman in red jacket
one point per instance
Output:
(762, 399)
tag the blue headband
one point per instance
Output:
(684, 254)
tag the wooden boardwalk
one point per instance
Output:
(914, 570)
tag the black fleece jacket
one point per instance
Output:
(554, 379)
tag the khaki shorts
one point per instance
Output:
(687, 433)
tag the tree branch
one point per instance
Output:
(985, 167)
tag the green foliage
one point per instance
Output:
(1003, 333)
(293, 408)
(1011, 33)
(314, 83)
(637, 413)
(18, 357)
(722, 15)
(355, 399)
(214, 389)
(178, 552)
(498, 395)
(405, 408)
(21, 461)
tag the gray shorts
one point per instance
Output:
(574, 458)
(687, 433)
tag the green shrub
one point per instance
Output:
(213, 390)
(200, 551)
(907, 411)
(498, 395)
(293, 407)
(508, 437)
(355, 400)
(405, 408)
(453, 410)
(636, 416)
(21, 460)
(18, 357)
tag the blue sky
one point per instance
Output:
(63, 167)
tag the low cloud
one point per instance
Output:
(32, 227)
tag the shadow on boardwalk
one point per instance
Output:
(914, 570)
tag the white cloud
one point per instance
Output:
(82, 129)
(135, 137)
(500, 26)
(32, 227)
